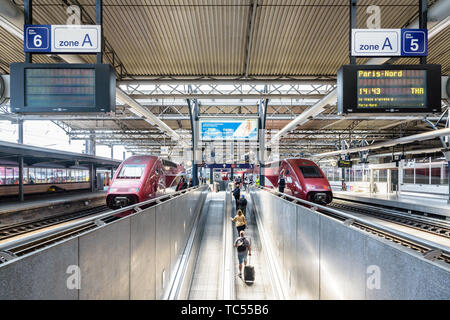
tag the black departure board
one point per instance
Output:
(344, 163)
(389, 88)
(62, 88)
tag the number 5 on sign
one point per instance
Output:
(37, 38)
(414, 42)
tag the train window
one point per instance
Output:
(422, 175)
(444, 179)
(131, 171)
(51, 176)
(310, 172)
(9, 176)
(25, 175)
(408, 175)
(2, 176)
(31, 175)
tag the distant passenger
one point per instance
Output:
(281, 183)
(242, 204)
(190, 183)
(240, 221)
(237, 194)
(243, 247)
(245, 184)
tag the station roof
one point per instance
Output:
(37, 155)
(229, 52)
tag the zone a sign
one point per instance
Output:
(62, 38)
(389, 42)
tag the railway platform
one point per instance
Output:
(49, 205)
(411, 203)
(180, 246)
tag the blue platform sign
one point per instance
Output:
(37, 38)
(389, 42)
(414, 42)
(62, 38)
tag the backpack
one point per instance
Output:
(241, 245)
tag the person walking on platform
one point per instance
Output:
(281, 183)
(240, 221)
(237, 194)
(242, 204)
(243, 246)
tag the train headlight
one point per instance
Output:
(133, 190)
(310, 186)
(112, 190)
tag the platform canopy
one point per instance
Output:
(230, 55)
(9, 153)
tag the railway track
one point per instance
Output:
(429, 225)
(25, 227)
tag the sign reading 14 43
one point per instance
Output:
(62, 38)
(389, 42)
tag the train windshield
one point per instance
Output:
(310, 172)
(132, 171)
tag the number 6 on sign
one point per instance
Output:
(37, 38)
(37, 41)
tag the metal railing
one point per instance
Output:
(97, 219)
(350, 219)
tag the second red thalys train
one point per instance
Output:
(140, 178)
(304, 179)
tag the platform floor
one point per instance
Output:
(414, 203)
(261, 289)
(206, 278)
(7, 207)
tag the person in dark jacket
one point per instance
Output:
(180, 184)
(237, 194)
(281, 183)
(242, 204)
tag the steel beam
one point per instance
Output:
(439, 11)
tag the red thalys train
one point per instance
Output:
(304, 179)
(141, 178)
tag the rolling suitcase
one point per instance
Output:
(249, 272)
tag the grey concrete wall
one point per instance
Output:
(322, 258)
(126, 259)
(18, 280)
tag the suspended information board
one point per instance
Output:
(389, 88)
(229, 129)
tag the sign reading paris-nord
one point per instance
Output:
(229, 129)
(62, 38)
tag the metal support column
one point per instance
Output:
(343, 169)
(231, 174)
(21, 193)
(352, 20)
(92, 177)
(193, 116)
(28, 19)
(211, 177)
(20, 131)
(20, 160)
(112, 151)
(99, 21)
(261, 145)
(423, 20)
